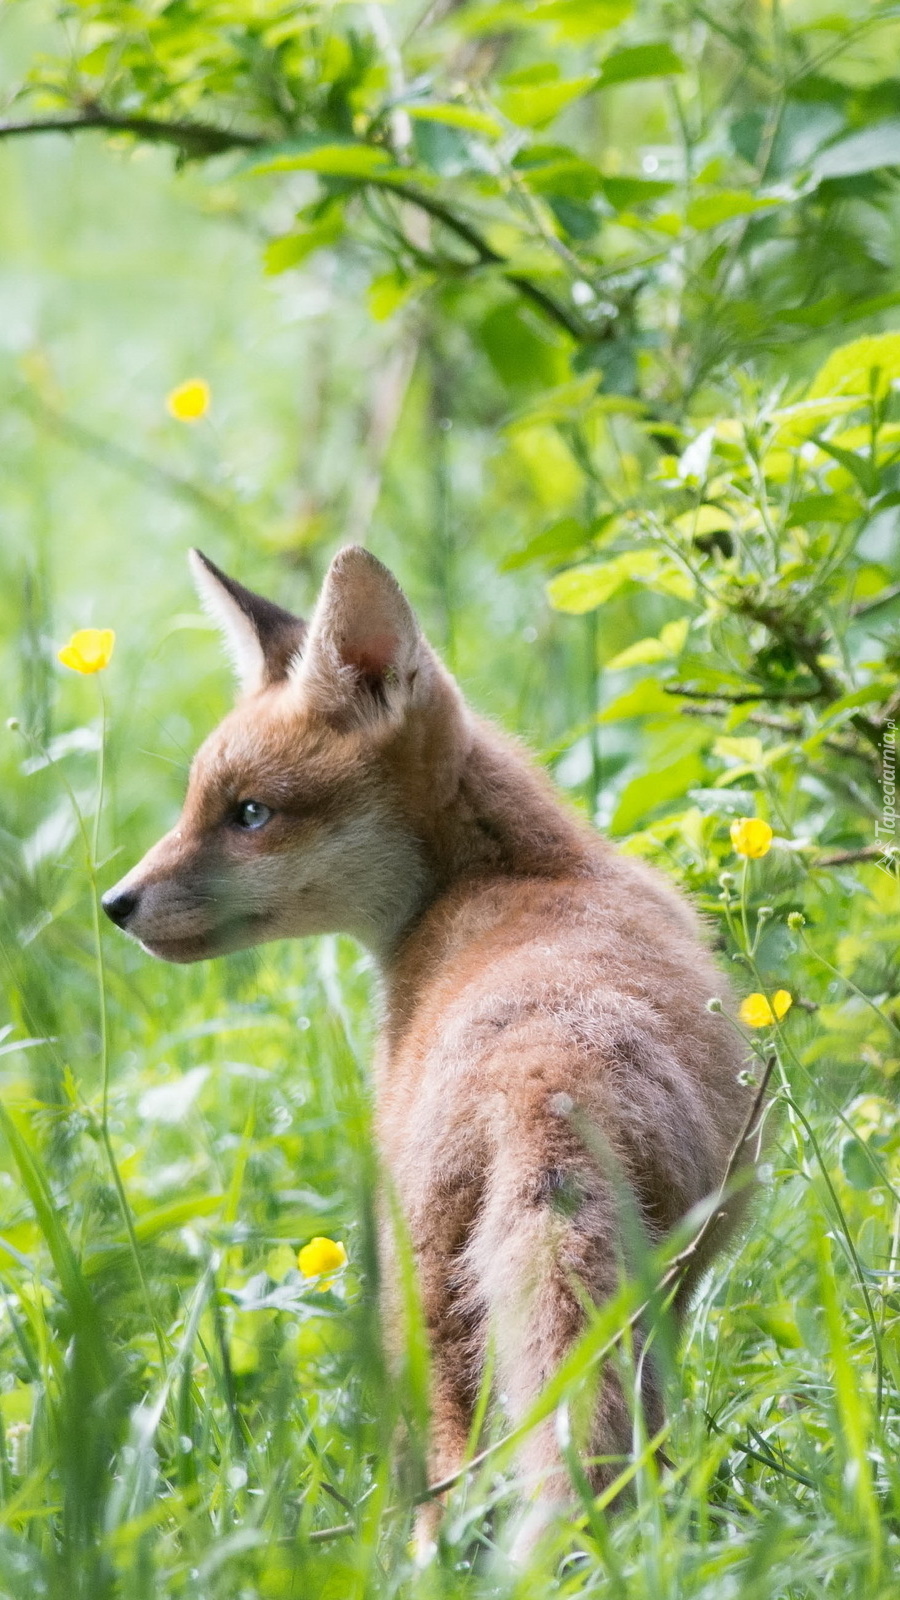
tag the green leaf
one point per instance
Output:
(579, 20)
(669, 579)
(669, 644)
(560, 404)
(879, 689)
(584, 588)
(849, 368)
(524, 352)
(705, 519)
(455, 116)
(390, 291)
(559, 542)
(860, 1172)
(162, 1219)
(674, 635)
(334, 158)
(708, 210)
(748, 751)
(778, 1323)
(624, 405)
(797, 423)
(864, 151)
(644, 699)
(640, 654)
(645, 794)
(627, 192)
(534, 105)
(554, 169)
(65, 1261)
(294, 248)
(859, 467)
(823, 508)
(655, 60)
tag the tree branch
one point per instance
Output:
(843, 858)
(712, 707)
(742, 697)
(487, 256)
(201, 140)
(194, 138)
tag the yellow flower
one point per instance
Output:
(321, 1256)
(751, 837)
(757, 1012)
(88, 650)
(190, 401)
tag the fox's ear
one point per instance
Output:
(262, 639)
(365, 647)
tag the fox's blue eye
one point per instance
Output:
(252, 814)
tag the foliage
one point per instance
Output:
(617, 283)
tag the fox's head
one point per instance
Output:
(305, 810)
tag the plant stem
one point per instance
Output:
(860, 994)
(89, 844)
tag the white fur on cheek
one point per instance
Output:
(363, 876)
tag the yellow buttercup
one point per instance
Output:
(189, 401)
(321, 1256)
(751, 837)
(758, 1012)
(88, 650)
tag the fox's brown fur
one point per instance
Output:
(545, 999)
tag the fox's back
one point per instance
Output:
(581, 999)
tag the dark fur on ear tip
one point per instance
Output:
(280, 632)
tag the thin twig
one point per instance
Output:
(842, 858)
(719, 708)
(338, 1532)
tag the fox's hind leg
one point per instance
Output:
(452, 1406)
(548, 1238)
(455, 1329)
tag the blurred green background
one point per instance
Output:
(582, 317)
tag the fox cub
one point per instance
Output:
(546, 1044)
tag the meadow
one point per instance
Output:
(584, 317)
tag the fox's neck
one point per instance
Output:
(498, 820)
(502, 818)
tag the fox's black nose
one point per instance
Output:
(119, 904)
